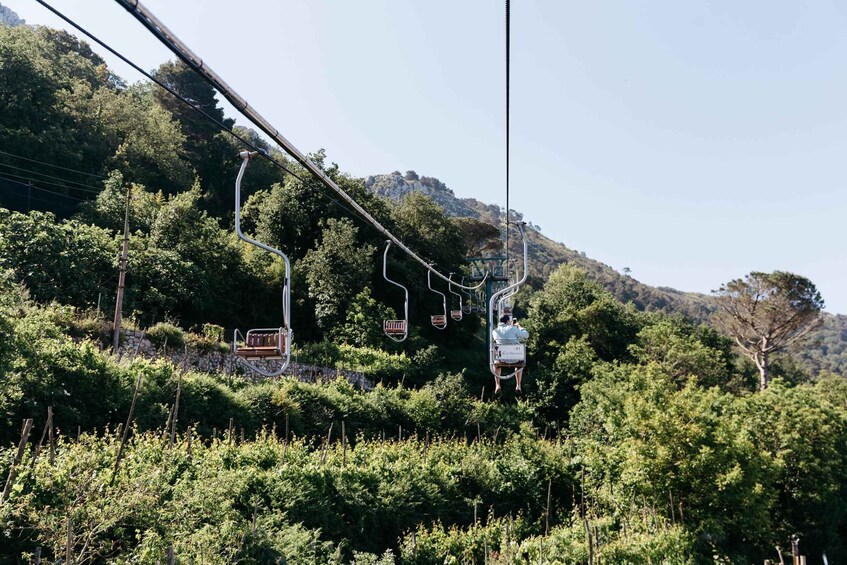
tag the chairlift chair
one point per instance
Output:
(468, 305)
(263, 344)
(455, 314)
(511, 357)
(477, 274)
(439, 321)
(398, 330)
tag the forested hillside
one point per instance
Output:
(824, 350)
(641, 434)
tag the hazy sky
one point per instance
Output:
(692, 142)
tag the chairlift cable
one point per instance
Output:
(187, 102)
(170, 40)
(508, 52)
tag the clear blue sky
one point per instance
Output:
(692, 142)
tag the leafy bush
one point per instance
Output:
(166, 334)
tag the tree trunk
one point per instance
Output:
(762, 363)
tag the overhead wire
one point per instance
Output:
(51, 165)
(81, 186)
(186, 55)
(188, 103)
(42, 189)
(42, 181)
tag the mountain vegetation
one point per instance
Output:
(642, 436)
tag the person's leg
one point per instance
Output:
(496, 380)
(518, 376)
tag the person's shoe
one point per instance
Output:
(497, 389)
(518, 390)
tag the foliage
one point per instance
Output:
(337, 268)
(165, 334)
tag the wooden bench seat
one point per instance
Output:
(394, 327)
(261, 345)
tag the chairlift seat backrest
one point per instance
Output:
(456, 315)
(262, 344)
(394, 327)
(439, 320)
(509, 355)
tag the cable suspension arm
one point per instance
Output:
(172, 42)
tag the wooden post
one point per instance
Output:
(176, 412)
(343, 444)
(482, 395)
(547, 511)
(188, 434)
(229, 433)
(171, 555)
(37, 449)
(50, 435)
(119, 298)
(475, 516)
(126, 430)
(673, 515)
(69, 556)
(38, 555)
(13, 471)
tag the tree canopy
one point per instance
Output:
(766, 312)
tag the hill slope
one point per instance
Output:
(826, 351)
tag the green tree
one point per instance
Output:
(766, 312)
(207, 149)
(336, 270)
(684, 351)
(363, 322)
(70, 262)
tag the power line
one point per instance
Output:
(186, 55)
(51, 165)
(42, 181)
(93, 189)
(43, 190)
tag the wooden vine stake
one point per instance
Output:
(547, 511)
(343, 444)
(125, 431)
(69, 543)
(50, 435)
(176, 412)
(13, 471)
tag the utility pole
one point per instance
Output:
(119, 299)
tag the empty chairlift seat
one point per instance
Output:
(394, 327)
(262, 344)
(439, 320)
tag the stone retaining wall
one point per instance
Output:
(133, 343)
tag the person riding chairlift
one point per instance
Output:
(508, 333)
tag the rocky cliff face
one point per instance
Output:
(9, 18)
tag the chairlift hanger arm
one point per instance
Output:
(181, 50)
